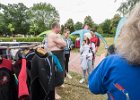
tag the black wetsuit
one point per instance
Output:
(42, 78)
(59, 76)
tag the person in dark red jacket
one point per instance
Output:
(94, 39)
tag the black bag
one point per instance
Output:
(8, 86)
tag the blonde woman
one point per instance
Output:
(118, 75)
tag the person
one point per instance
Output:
(118, 74)
(67, 51)
(95, 39)
(56, 44)
(86, 52)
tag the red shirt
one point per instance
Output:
(95, 40)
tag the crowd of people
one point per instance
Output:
(117, 75)
(36, 73)
(61, 46)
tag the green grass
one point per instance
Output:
(102, 49)
(75, 91)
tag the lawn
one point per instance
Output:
(75, 91)
(101, 50)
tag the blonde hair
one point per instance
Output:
(92, 33)
(128, 45)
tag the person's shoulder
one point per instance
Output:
(111, 61)
(51, 34)
(114, 56)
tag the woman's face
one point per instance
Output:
(67, 34)
(85, 39)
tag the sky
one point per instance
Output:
(99, 10)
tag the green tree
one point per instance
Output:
(106, 26)
(115, 20)
(33, 28)
(123, 9)
(2, 24)
(100, 30)
(127, 6)
(78, 25)
(17, 15)
(43, 15)
(88, 21)
(69, 24)
(109, 26)
(113, 30)
(114, 23)
(11, 28)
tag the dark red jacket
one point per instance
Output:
(96, 41)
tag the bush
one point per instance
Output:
(34, 39)
(73, 38)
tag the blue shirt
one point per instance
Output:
(116, 77)
(68, 46)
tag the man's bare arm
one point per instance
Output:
(59, 41)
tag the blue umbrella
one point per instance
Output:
(119, 27)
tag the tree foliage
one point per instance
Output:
(106, 26)
(16, 14)
(109, 26)
(88, 21)
(69, 24)
(27, 20)
(33, 28)
(78, 25)
(114, 23)
(43, 15)
(19, 19)
(11, 28)
(2, 24)
(127, 6)
(100, 30)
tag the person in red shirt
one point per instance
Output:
(94, 39)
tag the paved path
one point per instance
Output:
(74, 64)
